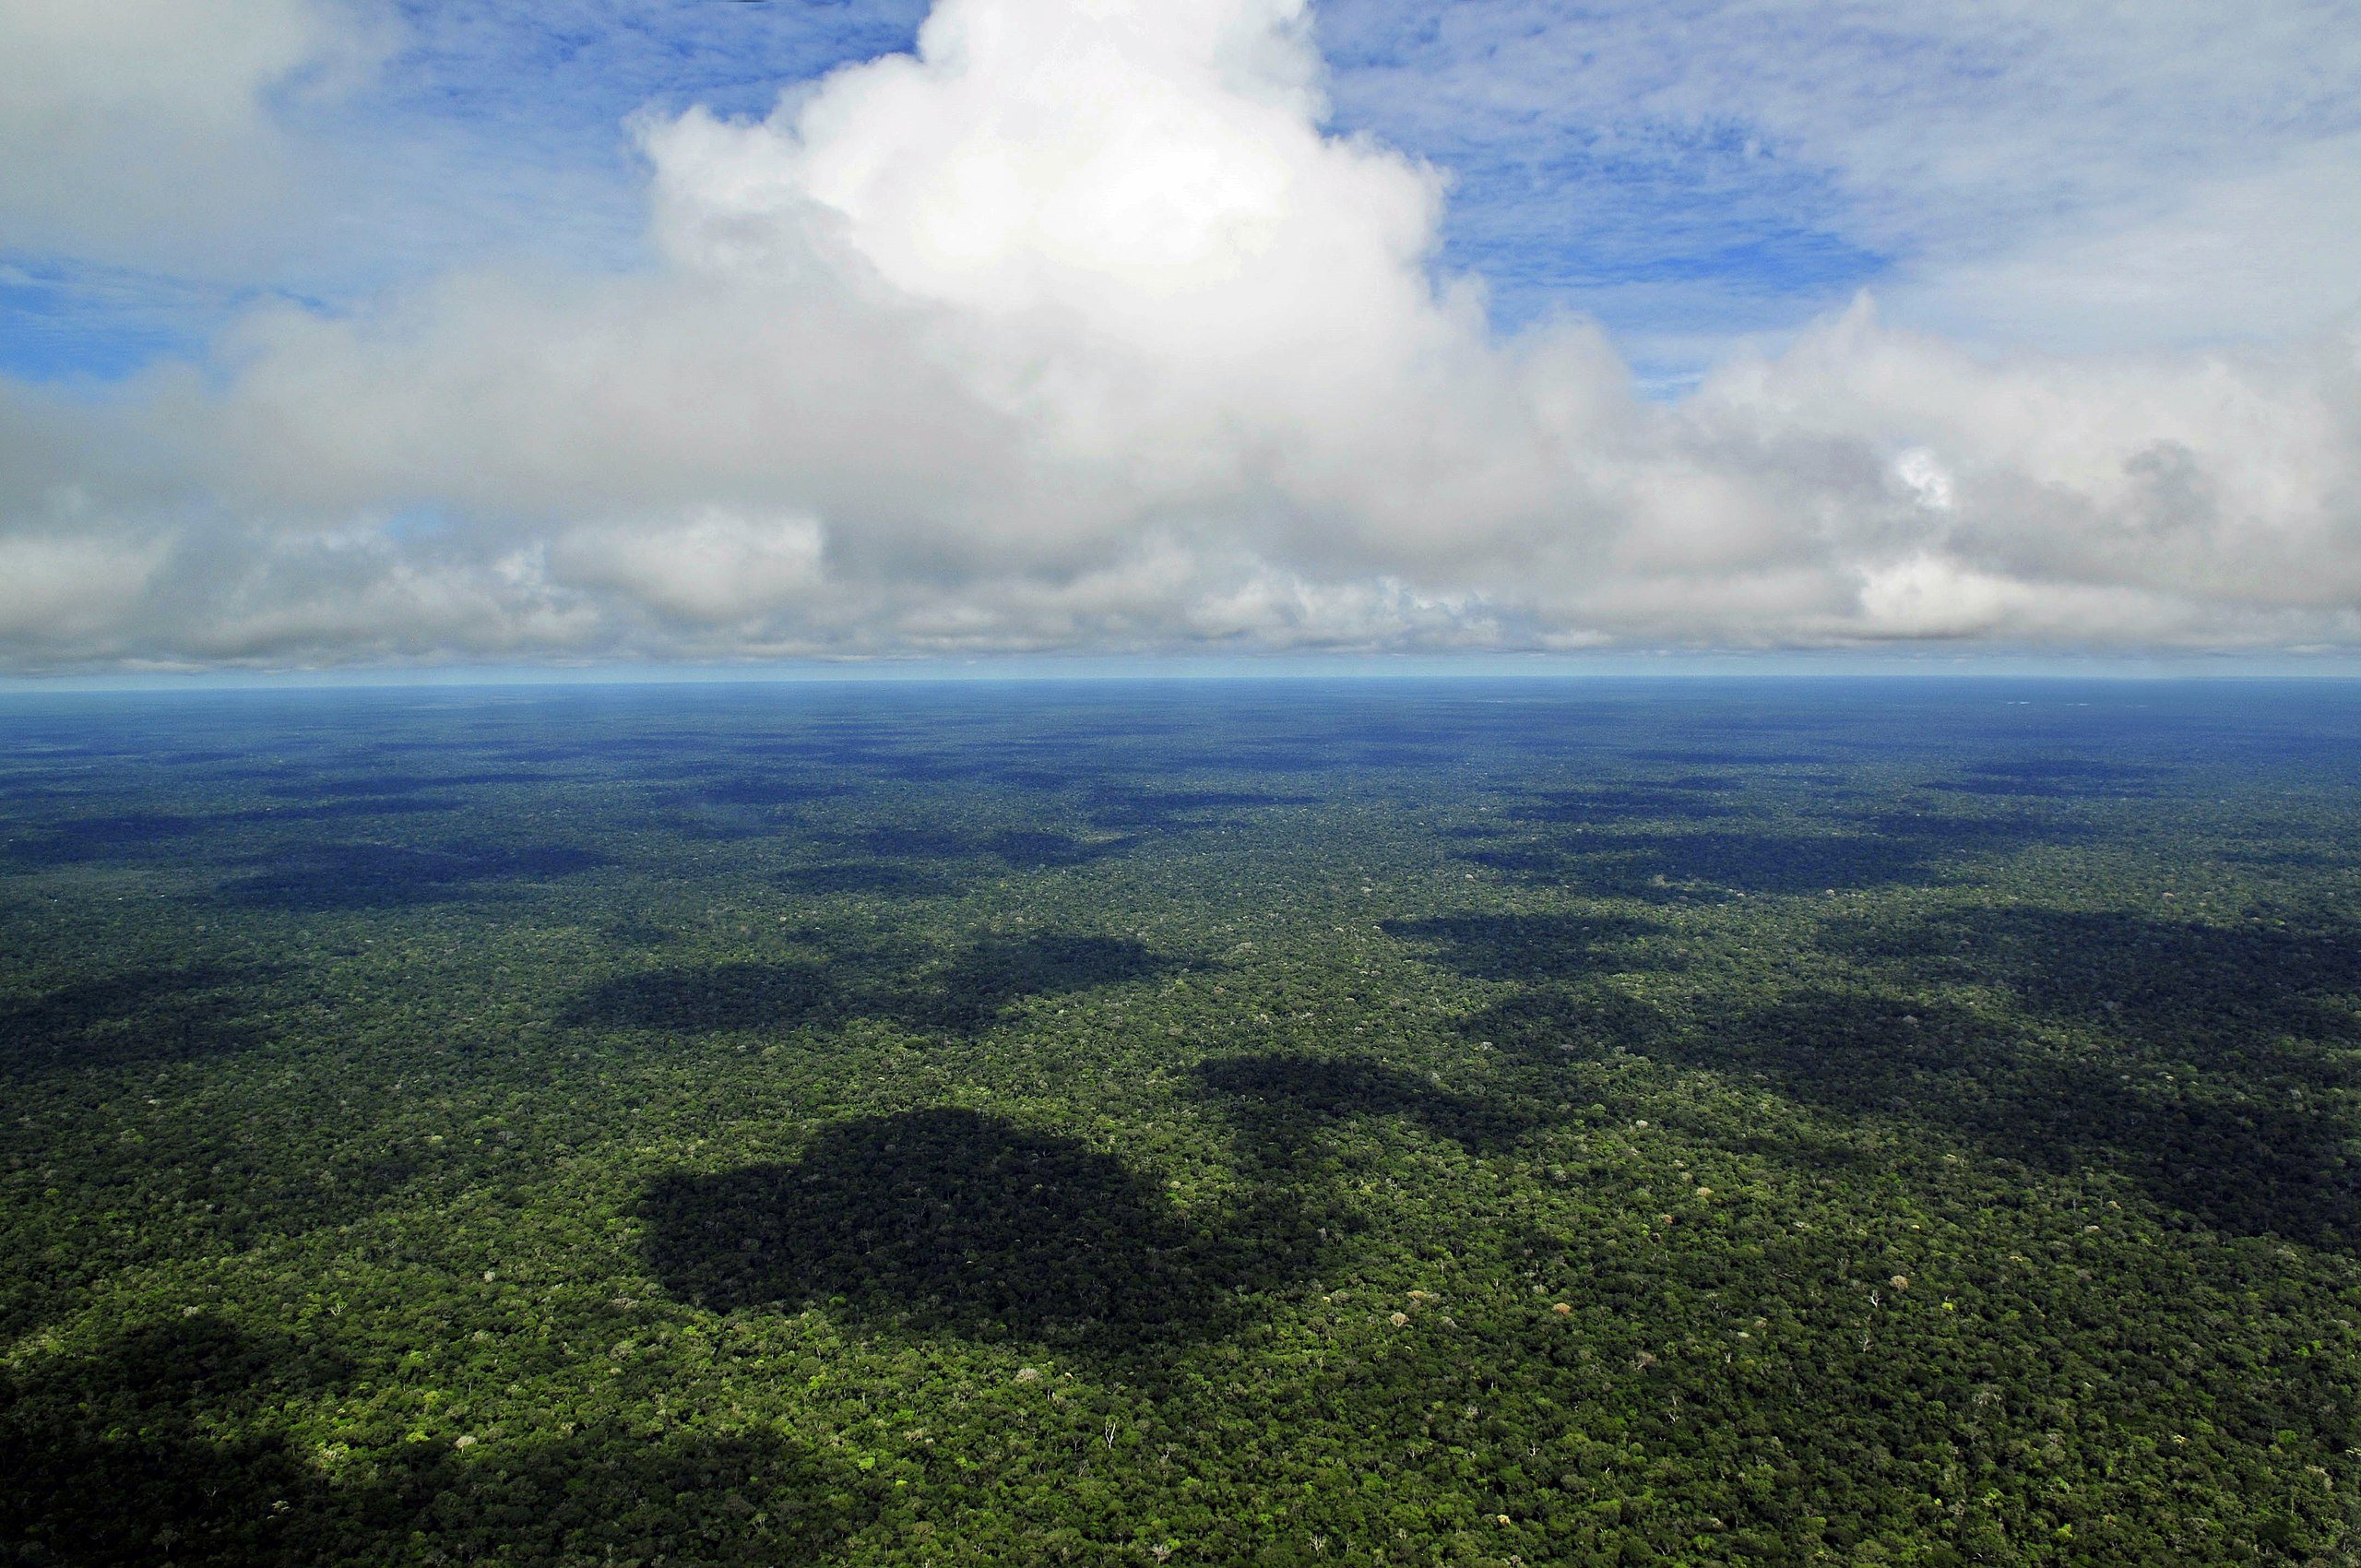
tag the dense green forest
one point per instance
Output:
(1269, 1122)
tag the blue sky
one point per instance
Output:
(472, 129)
(479, 129)
(360, 334)
(1660, 168)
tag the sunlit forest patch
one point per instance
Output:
(1401, 1123)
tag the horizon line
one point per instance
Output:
(1022, 669)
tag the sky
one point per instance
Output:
(717, 333)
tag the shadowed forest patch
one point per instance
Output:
(1523, 947)
(2229, 1148)
(137, 1015)
(1168, 809)
(1282, 1103)
(769, 789)
(979, 983)
(1708, 756)
(319, 877)
(2054, 779)
(965, 992)
(712, 998)
(949, 1221)
(159, 1449)
(1026, 850)
(2237, 986)
(351, 806)
(381, 785)
(1658, 866)
(1624, 803)
(117, 836)
(1016, 848)
(889, 879)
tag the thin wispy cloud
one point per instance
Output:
(1721, 165)
(1143, 325)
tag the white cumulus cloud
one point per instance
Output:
(140, 129)
(1075, 329)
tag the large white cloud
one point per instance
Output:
(1074, 330)
(2070, 174)
(142, 130)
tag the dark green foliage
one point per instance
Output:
(1416, 1122)
(982, 980)
(1283, 1101)
(1133, 806)
(719, 996)
(1655, 865)
(947, 1221)
(883, 878)
(1522, 947)
(962, 992)
(159, 1450)
(312, 878)
(135, 1015)
(112, 836)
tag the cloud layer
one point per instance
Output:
(1074, 329)
(132, 127)
(2072, 175)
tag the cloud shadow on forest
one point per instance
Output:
(135, 1454)
(155, 1014)
(1523, 947)
(1654, 801)
(2230, 987)
(769, 789)
(2054, 779)
(2241, 1160)
(964, 994)
(1715, 757)
(736, 805)
(112, 836)
(1178, 810)
(2198, 1095)
(950, 1222)
(301, 785)
(323, 878)
(892, 859)
(714, 997)
(1282, 1104)
(348, 807)
(1017, 849)
(1677, 865)
(979, 983)
(884, 879)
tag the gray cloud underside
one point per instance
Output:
(1076, 331)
